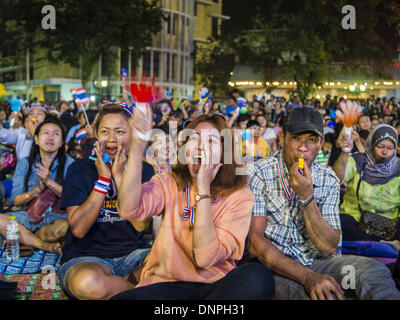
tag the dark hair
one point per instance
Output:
(35, 152)
(226, 181)
(91, 115)
(264, 116)
(110, 109)
(243, 117)
(252, 123)
(263, 112)
(176, 113)
(363, 134)
(6, 110)
(330, 137)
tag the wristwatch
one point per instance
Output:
(198, 197)
(304, 203)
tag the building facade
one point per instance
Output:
(170, 60)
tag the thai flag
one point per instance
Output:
(80, 134)
(80, 96)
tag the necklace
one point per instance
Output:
(188, 211)
(285, 185)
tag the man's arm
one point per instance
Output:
(322, 235)
(319, 286)
(271, 256)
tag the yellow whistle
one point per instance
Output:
(301, 163)
(33, 119)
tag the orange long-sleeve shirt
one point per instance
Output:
(172, 257)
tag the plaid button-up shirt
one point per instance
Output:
(285, 226)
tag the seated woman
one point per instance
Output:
(43, 169)
(373, 184)
(206, 211)
(159, 155)
(100, 248)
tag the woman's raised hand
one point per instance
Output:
(140, 125)
(102, 168)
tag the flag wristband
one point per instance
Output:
(100, 190)
(103, 179)
(102, 185)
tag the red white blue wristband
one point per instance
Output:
(102, 185)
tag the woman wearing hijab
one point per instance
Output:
(378, 191)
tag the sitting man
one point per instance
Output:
(295, 228)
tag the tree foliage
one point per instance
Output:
(302, 39)
(85, 29)
(213, 67)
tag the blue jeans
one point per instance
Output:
(120, 266)
(373, 280)
(22, 217)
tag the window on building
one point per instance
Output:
(168, 68)
(9, 50)
(9, 76)
(156, 64)
(171, 28)
(133, 62)
(171, 65)
(215, 28)
(147, 64)
(105, 64)
(52, 96)
(30, 72)
(124, 59)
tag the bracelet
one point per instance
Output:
(102, 185)
(104, 179)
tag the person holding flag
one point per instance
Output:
(81, 99)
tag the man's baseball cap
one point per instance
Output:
(304, 119)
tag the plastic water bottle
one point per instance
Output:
(12, 248)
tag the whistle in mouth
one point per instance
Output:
(301, 163)
(301, 166)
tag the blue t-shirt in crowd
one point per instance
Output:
(229, 110)
(110, 236)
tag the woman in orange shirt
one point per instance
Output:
(206, 211)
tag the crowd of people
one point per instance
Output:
(213, 204)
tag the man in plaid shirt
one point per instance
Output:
(295, 228)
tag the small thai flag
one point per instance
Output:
(80, 96)
(80, 134)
